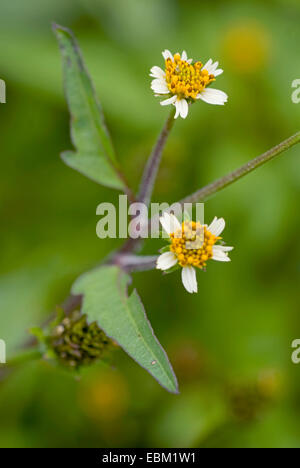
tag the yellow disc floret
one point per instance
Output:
(193, 244)
(186, 80)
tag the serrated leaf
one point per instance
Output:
(123, 319)
(94, 156)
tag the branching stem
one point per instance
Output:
(130, 262)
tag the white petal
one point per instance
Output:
(223, 248)
(178, 108)
(160, 90)
(171, 100)
(216, 226)
(170, 223)
(182, 108)
(176, 104)
(208, 65)
(220, 255)
(159, 82)
(189, 280)
(218, 72)
(166, 261)
(157, 72)
(159, 86)
(184, 56)
(212, 68)
(165, 222)
(167, 54)
(174, 223)
(213, 96)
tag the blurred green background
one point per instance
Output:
(230, 345)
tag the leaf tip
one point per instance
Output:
(54, 26)
(175, 389)
(61, 30)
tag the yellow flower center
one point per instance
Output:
(193, 244)
(186, 80)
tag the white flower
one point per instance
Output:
(191, 246)
(185, 82)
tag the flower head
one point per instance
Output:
(75, 342)
(185, 82)
(191, 246)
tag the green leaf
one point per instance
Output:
(38, 333)
(123, 319)
(95, 157)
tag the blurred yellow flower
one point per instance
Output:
(246, 47)
(105, 398)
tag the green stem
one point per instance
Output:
(219, 184)
(151, 169)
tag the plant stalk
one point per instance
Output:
(208, 190)
(151, 168)
(130, 263)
